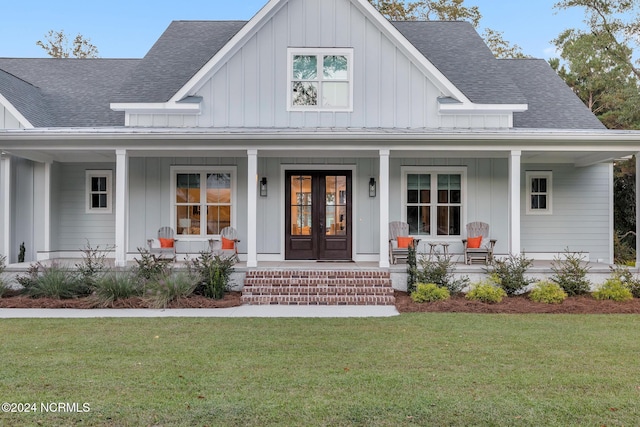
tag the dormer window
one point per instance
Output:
(320, 79)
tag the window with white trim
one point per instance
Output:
(539, 186)
(433, 200)
(99, 191)
(320, 79)
(203, 200)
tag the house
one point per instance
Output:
(308, 128)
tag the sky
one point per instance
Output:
(128, 29)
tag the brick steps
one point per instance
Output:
(317, 287)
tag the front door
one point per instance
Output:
(318, 215)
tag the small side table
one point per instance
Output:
(433, 246)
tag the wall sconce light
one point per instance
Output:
(372, 187)
(263, 187)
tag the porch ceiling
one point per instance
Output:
(537, 145)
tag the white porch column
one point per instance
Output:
(46, 217)
(5, 215)
(121, 206)
(637, 211)
(514, 202)
(252, 206)
(383, 195)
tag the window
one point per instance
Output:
(539, 192)
(320, 80)
(433, 201)
(202, 200)
(99, 191)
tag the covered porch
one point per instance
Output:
(268, 153)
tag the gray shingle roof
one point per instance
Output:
(77, 93)
(184, 48)
(26, 98)
(552, 104)
(66, 92)
(456, 49)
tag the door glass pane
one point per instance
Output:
(301, 205)
(335, 205)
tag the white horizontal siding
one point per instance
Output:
(72, 226)
(581, 212)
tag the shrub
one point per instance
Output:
(570, 273)
(4, 287)
(412, 269)
(509, 273)
(93, 265)
(429, 292)
(114, 286)
(212, 273)
(159, 292)
(548, 293)
(486, 291)
(150, 267)
(613, 289)
(55, 282)
(440, 272)
(623, 274)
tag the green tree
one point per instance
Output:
(57, 46)
(447, 10)
(601, 69)
(616, 25)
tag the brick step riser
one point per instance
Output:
(318, 288)
(324, 300)
(267, 290)
(312, 275)
(319, 282)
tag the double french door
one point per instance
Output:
(318, 223)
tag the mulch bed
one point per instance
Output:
(584, 304)
(231, 299)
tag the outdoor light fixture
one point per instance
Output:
(263, 187)
(372, 187)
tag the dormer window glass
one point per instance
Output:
(320, 80)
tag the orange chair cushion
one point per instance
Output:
(166, 243)
(228, 244)
(404, 242)
(474, 242)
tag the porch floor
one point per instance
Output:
(538, 266)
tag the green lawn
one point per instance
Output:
(415, 369)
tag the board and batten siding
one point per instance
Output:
(8, 120)
(73, 227)
(250, 89)
(486, 197)
(581, 216)
(150, 205)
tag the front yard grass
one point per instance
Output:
(416, 369)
